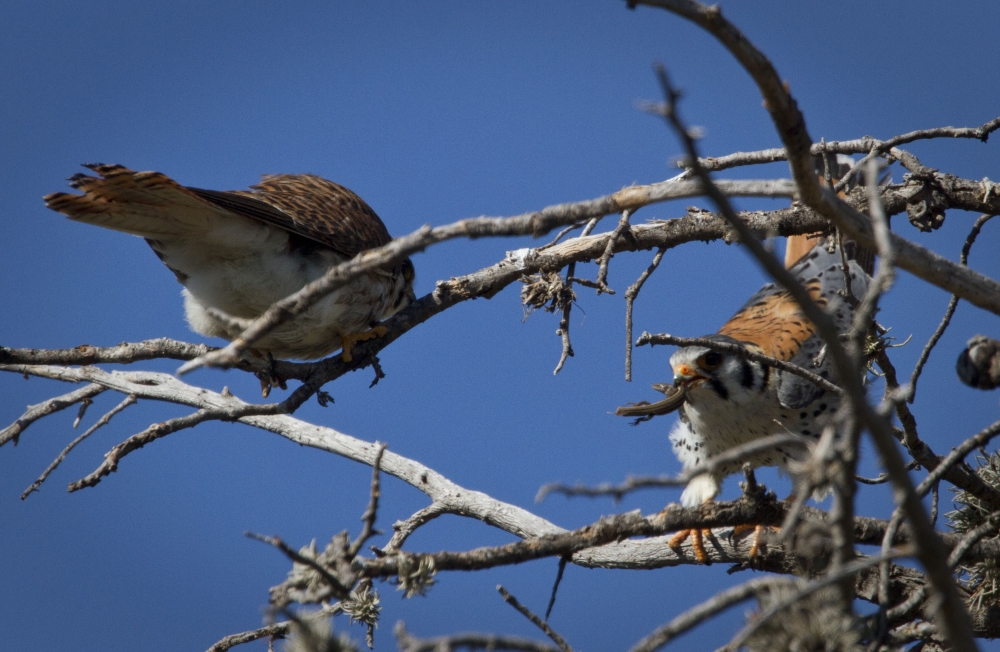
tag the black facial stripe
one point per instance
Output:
(766, 372)
(747, 379)
(719, 388)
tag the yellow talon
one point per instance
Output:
(697, 545)
(757, 531)
(348, 341)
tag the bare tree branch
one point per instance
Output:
(949, 311)
(563, 330)
(535, 620)
(725, 347)
(129, 400)
(858, 146)
(791, 128)
(45, 408)
(537, 223)
(472, 641)
(921, 452)
(371, 512)
(702, 612)
(274, 630)
(602, 272)
(630, 295)
(807, 589)
(338, 587)
(711, 464)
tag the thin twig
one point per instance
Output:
(45, 408)
(948, 313)
(845, 571)
(935, 496)
(709, 466)
(630, 295)
(137, 441)
(563, 330)
(371, 512)
(957, 475)
(743, 352)
(956, 455)
(272, 631)
(858, 146)
(405, 528)
(609, 251)
(469, 640)
(342, 592)
(560, 235)
(555, 586)
(840, 471)
(885, 274)
(882, 478)
(538, 622)
(129, 400)
(702, 612)
(969, 539)
(84, 404)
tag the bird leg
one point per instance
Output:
(697, 542)
(348, 341)
(757, 530)
(268, 378)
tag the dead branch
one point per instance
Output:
(857, 146)
(129, 400)
(338, 588)
(535, 224)
(535, 620)
(630, 295)
(563, 330)
(725, 347)
(472, 641)
(949, 311)
(371, 512)
(790, 125)
(272, 631)
(735, 454)
(602, 272)
(45, 408)
(702, 612)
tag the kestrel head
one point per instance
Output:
(405, 275)
(706, 375)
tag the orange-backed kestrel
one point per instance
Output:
(725, 400)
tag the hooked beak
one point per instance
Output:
(685, 375)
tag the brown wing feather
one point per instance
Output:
(153, 205)
(311, 207)
(774, 323)
(147, 204)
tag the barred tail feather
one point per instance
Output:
(146, 204)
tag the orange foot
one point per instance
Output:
(757, 530)
(697, 542)
(348, 341)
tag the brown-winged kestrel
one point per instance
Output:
(237, 252)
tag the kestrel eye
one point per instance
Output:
(710, 360)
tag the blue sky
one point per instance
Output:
(432, 112)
